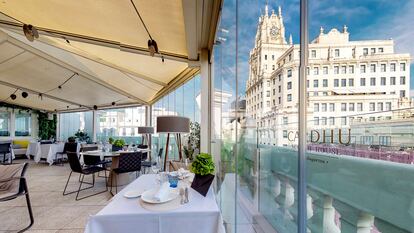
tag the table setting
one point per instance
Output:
(160, 202)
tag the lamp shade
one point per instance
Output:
(173, 124)
(145, 130)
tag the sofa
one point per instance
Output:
(20, 147)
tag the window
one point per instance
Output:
(313, 53)
(351, 107)
(392, 67)
(365, 51)
(343, 120)
(307, 83)
(351, 69)
(273, 67)
(273, 57)
(392, 81)
(367, 140)
(316, 120)
(332, 107)
(290, 57)
(307, 70)
(279, 100)
(336, 52)
(343, 82)
(383, 67)
(402, 66)
(336, 69)
(316, 71)
(324, 107)
(289, 97)
(362, 82)
(268, 103)
(380, 50)
(343, 69)
(23, 124)
(402, 80)
(323, 121)
(325, 82)
(265, 57)
(363, 68)
(267, 93)
(372, 107)
(274, 91)
(315, 93)
(402, 93)
(279, 88)
(380, 107)
(268, 83)
(265, 66)
(372, 50)
(331, 120)
(285, 134)
(289, 73)
(387, 106)
(289, 85)
(336, 82)
(4, 124)
(385, 140)
(325, 70)
(360, 107)
(316, 107)
(383, 81)
(351, 82)
(343, 107)
(285, 120)
(315, 83)
(373, 68)
(372, 81)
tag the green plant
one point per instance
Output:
(82, 136)
(203, 165)
(119, 143)
(47, 128)
(72, 139)
(111, 140)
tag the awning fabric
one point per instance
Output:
(110, 70)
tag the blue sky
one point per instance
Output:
(367, 19)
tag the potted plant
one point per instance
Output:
(72, 139)
(111, 140)
(118, 144)
(82, 136)
(203, 167)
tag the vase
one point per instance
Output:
(202, 184)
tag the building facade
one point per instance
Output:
(347, 81)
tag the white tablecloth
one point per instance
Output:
(46, 151)
(122, 215)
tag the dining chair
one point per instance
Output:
(76, 167)
(68, 147)
(128, 162)
(5, 150)
(148, 164)
(13, 184)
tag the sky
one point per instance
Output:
(366, 20)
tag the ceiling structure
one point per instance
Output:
(97, 50)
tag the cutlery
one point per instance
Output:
(186, 195)
(182, 193)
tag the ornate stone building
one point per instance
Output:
(348, 81)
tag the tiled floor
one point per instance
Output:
(53, 212)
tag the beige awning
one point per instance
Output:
(103, 45)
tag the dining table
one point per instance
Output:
(124, 215)
(122, 178)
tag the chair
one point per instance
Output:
(69, 147)
(128, 162)
(5, 149)
(76, 167)
(13, 184)
(145, 154)
(148, 164)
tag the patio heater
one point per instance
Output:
(173, 125)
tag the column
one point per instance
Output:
(94, 125)
(206, 101)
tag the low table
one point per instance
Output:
(123, 215)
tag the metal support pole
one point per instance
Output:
(302, 220)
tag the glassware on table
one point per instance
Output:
(173, 179)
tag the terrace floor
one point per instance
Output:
(53, 212)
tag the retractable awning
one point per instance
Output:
(97, 50)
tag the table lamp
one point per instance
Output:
(173, 125)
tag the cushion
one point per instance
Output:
(22, 143)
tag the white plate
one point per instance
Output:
(133, 193)
(148, 196)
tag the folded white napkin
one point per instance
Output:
(163, 192)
